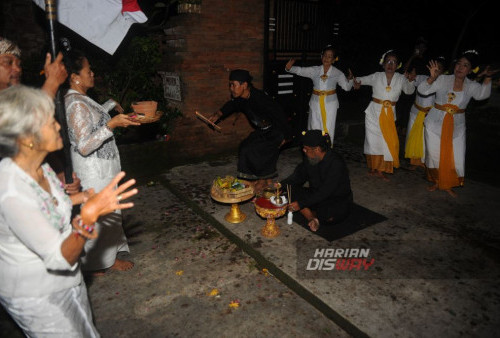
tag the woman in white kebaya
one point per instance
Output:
(415, 145)
(445, 123)
(323, 104)
(96, 160)
(381, 139)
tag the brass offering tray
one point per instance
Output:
(226, 195)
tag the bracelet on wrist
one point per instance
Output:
(108, 127)
(84, 230)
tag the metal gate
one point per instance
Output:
(296, 29)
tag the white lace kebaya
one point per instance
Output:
(96, 161)
(94, 152)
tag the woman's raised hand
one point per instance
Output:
(289, 64)
(433, 68)
(488, 72)
(108, 199)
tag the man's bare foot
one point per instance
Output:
(122, 265)
(413, 167)
(314, 224)
(432, 187)
(451, 193)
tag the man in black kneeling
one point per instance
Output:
(328, 198)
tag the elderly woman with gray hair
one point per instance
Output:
(41, 285)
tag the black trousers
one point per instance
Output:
(258, 154)
(329, 212)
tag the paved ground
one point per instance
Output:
(438, 272)
(197, 275)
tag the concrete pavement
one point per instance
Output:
(435, 272)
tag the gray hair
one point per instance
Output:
(23, 112)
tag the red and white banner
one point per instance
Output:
(102, 22)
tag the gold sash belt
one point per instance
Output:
(385, 103)
(424, 109)
(449, 108)
(324, 92)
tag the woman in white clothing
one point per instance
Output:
(41, 285)
(323, 104)
(415, 145)
(381, 139)
(445, 123)
(96, 159)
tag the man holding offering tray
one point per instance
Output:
(258, 153)
(328, 199)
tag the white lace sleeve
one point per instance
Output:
(109, 105)
(84, 129)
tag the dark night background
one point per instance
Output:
(369, 28)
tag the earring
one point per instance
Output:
(31, 145)
(77, 82)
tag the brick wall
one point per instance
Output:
(202, 49)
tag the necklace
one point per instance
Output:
(324, 77)
(54, 200)
(41, 179)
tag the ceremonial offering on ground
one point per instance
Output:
(278, 201)
(232, 190)
(268, 210)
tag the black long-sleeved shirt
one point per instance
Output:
(328, 180)
(261, 110)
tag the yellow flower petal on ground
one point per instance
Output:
(179, 273)
(213, 293)
(234, 304)
(265, 272)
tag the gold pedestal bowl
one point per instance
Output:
(266, 209)
(235, 215)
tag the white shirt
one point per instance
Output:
(32, 229)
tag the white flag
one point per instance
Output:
(102, 22)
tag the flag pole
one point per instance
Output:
(51, 13)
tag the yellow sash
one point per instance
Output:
(448, 177)
(322, 94)
(415, 144)
(388, 127)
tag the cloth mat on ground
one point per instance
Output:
(360, 218)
